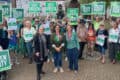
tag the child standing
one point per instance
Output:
(12, 46)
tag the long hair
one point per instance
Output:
(91, 25)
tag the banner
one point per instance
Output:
(51, 7)
(100, 40)
(18, 13)
(12, 24)
(115, 9)
(6, 10)
(113, 37)
(1, 16)
(4, 60)
(85, 9)
(34, 7)
(72, 14)
(98, 8)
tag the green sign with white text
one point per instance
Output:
(51, 7)
(115, 9)
(85, 9)
(18, 13)
(34, 7)
(4, 60)
(6, 10)
(98, 8)
(72, 14)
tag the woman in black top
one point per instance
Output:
(40, 51)
(102, 47)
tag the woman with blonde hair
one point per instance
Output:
(28, 33)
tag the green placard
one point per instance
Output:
(51, 7)
(12, 25)
(34, 7)
(72, 14)
(6, 10)
(100, 40)
(113, 37)
(18, 13)
(98, 8)
(115, 9)
(1, 17)
(85, 9)
(4, 60)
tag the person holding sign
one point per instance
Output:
(113, 42)
(28, 35)
(97, 23)
(101, 41)
(58, 43)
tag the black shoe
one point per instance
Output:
(81, 58)
(43, 72)
(38, 77)
(30, 61)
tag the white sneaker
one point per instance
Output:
(61, 70)
(66, 59)
(55, 70)
(52, 60)
(48, 60)
(75, 72)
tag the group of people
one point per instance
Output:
(40, 39)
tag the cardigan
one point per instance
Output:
(73, 42)
(55, 41)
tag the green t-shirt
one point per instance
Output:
(96, 25)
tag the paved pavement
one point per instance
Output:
(88, 70)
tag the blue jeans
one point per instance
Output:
(101, 50)
(29, 49)
(73, 58)
(57, 59)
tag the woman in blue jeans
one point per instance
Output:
(72, 48)
(28, 33)
(58, 43)
(102, 32)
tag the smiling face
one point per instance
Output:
(115, 25)
(69, 28)
(57, 29)
(28, 24)
(41, 30)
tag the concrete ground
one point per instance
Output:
(88, 70)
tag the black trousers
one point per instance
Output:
(113, 49)
(39, 67)
(82, 45)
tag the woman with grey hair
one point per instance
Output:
(40, 56)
